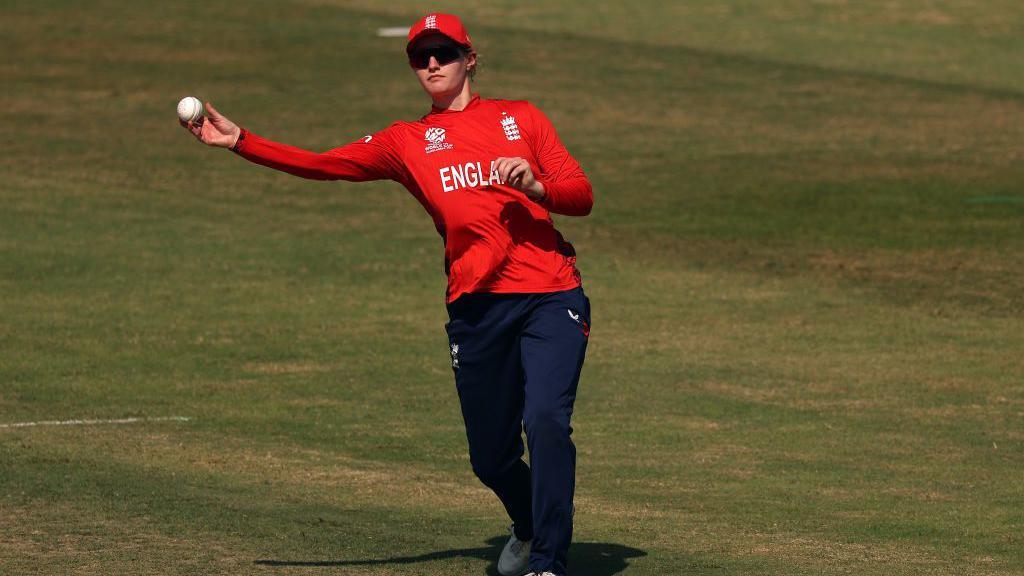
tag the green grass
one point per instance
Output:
(804, 260)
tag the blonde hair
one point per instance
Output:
(465, 53)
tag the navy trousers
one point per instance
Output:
(517, 361)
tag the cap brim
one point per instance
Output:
(428, 32)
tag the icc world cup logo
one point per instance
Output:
(435, 135)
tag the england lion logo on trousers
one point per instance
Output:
(455, 355)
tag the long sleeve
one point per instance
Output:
(372, 157)
(566, 188)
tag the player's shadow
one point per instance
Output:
(591, 558)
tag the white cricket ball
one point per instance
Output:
(190, 108)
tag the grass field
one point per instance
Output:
(805, 262)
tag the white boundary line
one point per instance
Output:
(393, 32)
(91, 422)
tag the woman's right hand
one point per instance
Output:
(214, 129)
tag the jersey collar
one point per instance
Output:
(474, 101)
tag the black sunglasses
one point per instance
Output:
(420, 59)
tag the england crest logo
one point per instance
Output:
(508, 124)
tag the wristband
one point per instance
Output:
(238, 142)
(544, 195)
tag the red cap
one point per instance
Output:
(447, 24)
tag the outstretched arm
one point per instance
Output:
(370, 158)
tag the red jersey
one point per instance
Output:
(495, 238)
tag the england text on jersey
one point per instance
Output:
(470, 174)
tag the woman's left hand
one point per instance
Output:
(516, 172)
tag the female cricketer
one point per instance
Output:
(489, 173)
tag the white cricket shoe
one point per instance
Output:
(515, 557)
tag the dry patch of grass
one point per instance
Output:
(828, 554)
(40, 535)
(302, 474)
